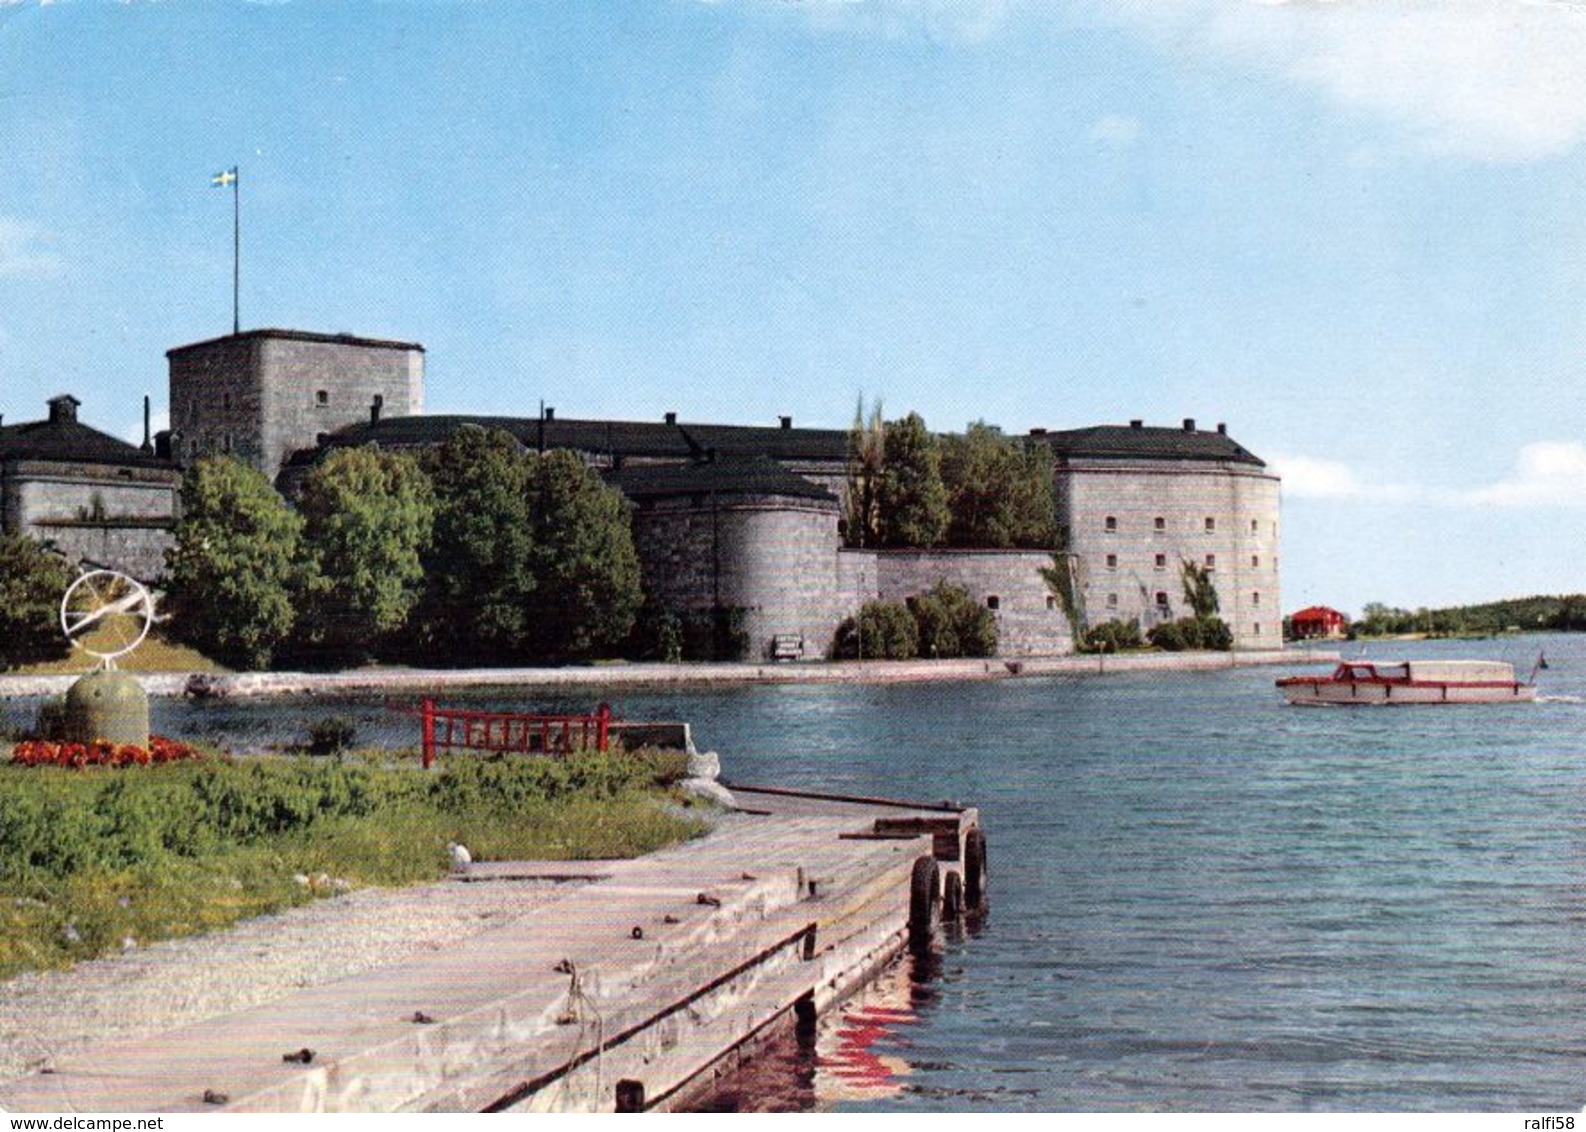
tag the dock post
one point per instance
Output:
(427, 715)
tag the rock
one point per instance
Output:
(709, 789)
(707, 765)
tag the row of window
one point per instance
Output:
(1110, 524)
(1211, 562)
(1161, 600)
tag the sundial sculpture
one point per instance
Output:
(107, 614)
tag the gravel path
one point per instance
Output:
(164, 985)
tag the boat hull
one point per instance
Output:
(1324, 692)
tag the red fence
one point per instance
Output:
(452, 728)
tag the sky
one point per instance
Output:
(1353, 231)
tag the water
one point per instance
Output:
(1203, 899)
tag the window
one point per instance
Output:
(1255, 525)
(225, 400)
(1111, 523)
(322, 397)
(1255, 561)
(1112, 601)
(225, 442)
(1051, 602)
(1256, 629)
(1161, 562)
(993, 601)
(1161, 599)
(1211, 524)
(1112, 561)
(1211, 562)
(1160, 523)
(1255, 598)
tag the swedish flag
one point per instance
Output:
(225, 178)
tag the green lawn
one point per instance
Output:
(92, 857)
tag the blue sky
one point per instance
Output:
(1355, 232)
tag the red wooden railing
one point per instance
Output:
(454, 728)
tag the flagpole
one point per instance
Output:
(236, 249)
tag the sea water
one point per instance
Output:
(1202, 898)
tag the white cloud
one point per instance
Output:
(1481, 79)
(20, 254)
(1116, 130)
(1309, 477)
(1549, 473)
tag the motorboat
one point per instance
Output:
(1363, 682)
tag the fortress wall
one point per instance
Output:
(1240, 500)
(1030, 622)
(216, 394)
(113, 516)
(773, 557)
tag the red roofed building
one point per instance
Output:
(1318, 621)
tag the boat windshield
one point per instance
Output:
(1375, 671)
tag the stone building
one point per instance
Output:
(98, 500)
(264, 394)
(1135, 503)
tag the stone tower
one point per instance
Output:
(263, 394)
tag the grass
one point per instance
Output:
(157, 653)
(93, 858)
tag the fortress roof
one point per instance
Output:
(61, 437)
(298, 336)
(614, 439)
(751, 475)
(1137, 441)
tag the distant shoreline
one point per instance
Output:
(412, 680)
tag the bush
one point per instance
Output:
(884, 630)
(32, 580)
(331, 735)
(1113, 636)
(1186, 633)
(950, 623)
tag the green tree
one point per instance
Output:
(951, 623)
(32, 580)
(368, 517)
(910, 498)
(479, 569)
(999, 493)
(587, 583)
(231, 577)
(866, 461)
(884, 630)
(1200, 594)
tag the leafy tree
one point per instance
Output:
(231, 576)
(951, 623)
(587, 585)
(884, 630)
(1200, 594)
(32, 581)
(1112, 636)
(479, 569)
(866, 461)
(999, 493)
(910, 498)
(368, 517)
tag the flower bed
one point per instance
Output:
(43, 752)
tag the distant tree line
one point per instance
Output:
(1566, 613)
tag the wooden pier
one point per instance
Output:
(625, 993)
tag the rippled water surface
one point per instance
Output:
(1202, 898)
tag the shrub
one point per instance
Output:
(331, 735)
(950, 623)
(1192, 633)
(884, 630)
(1113, 636)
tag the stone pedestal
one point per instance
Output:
(108, 705)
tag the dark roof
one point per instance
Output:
(69, 441)
(1143, 442)
(615, 439)
(751, 475)
(298, 336)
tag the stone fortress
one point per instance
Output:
(726, 517)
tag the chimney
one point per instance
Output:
(671, 418)
(1222, 429)
(374, 408)
(1189, 424)
(787, 422)
(1136, 424)
(148, 439)
(550, 412)
(1038, 432)
(63, 408)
